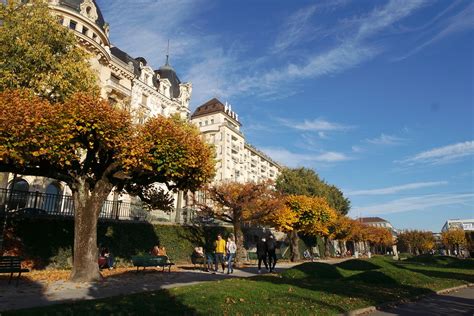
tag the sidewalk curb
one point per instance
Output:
(371, 309)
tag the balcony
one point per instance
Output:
(117, 88)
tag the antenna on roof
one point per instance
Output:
(168, 53)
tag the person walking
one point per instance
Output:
(231, 248)
(271, 248)
(262, 254)
(219, 253)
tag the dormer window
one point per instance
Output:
(72, 25)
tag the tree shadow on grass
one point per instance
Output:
(357, 265)
(372, 287)
(435, 273)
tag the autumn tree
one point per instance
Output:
(309, 215)
(38, 53)
(304, 181)
(454, 238)
(341, 230)
(238, 203)
(415, 241)
(93, 148)
(378, 238)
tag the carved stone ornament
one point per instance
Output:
(89, 10)
(54, 2)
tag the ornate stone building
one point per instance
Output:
(236, 159)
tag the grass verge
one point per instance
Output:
(307, 289)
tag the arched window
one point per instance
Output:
(52, 199)
(18, 196)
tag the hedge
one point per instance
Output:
(47, 242)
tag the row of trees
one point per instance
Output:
(421, 242)
(298, 203)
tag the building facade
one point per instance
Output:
(465, 224)
(237, 160)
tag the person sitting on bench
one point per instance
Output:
(106, 259)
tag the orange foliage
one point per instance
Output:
(311, 215)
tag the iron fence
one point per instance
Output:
(37, 203)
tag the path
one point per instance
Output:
(460, 302)
(32, 294)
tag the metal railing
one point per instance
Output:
(37, 203)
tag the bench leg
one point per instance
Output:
(10, 280)
(18, 279)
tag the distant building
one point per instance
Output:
(465, 224)
(236, 159)
(376, 222)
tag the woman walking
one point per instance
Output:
(231, 249)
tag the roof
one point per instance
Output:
(126, 58)
(213, 106)
(76, 6)
(372, 220)
(168, 72)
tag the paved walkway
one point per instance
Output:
(32, 294)
(460, 302)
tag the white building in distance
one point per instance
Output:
(465, 224)
(236, 159)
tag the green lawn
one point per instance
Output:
(310, 288)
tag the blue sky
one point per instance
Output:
(376, 96)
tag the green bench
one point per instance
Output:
(152, 261)
(11, 264)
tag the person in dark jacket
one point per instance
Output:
(262, 253)
(271, 248)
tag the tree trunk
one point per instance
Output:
(241, 253)
(87, 206)
(295, 252)
(327, 245)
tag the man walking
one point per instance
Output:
(262, 254)
(219, 253)
(271, 248)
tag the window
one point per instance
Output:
(146, 78)
(19, 194)
(206, 122)
(52, 198)
(94, 36)
(144, 99)
(84, 30)
(72, 25)
(114, 78)
(212, 121)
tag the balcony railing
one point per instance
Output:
(37, 204)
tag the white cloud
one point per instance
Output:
(357, 149)
(384, 139)
(457, 23)
(217, 70)
(316, 125)
(295, 28)
(352, 50)
(292, 159)
(441, 155)
(395, 189)
(416, 203)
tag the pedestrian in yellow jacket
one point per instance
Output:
(220, 253)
